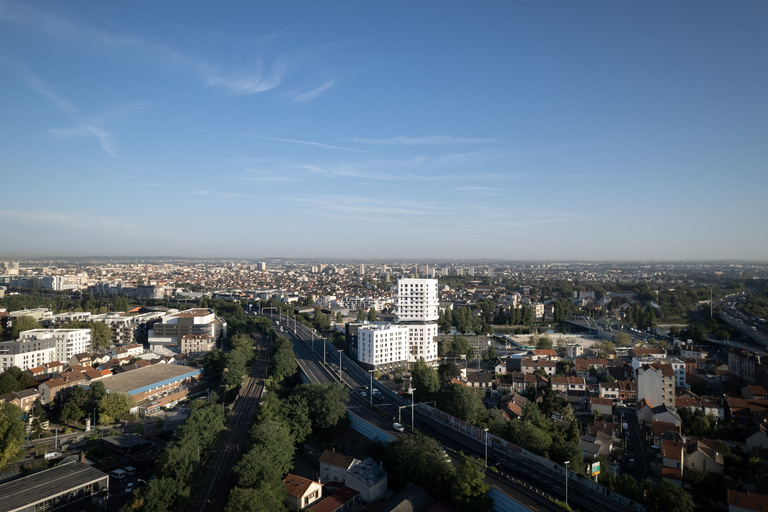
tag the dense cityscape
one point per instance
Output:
(383, 256)
(646, 380)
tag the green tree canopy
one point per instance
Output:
(11, 433)
(21, 324)
(426, 381)
(326, 402)
(115, 406)
(468, 493)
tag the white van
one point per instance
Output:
(398, 427)
(117, 474)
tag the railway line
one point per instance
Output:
(212, 488)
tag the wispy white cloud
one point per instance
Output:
(313, 93)
(261, 175)
(86, 126)
(203, 192)
(241, 83)
(88, 130)
(418, 141)
(306, 142)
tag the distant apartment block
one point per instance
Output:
(677, 365)
(198, 321)
(68, 342)
(656, 385)
(126, 329)
(382, 346)
(197, 343)
(28, 353)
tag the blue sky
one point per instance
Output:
(499, 129)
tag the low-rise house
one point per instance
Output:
(512, 406)
(609, 390)
(484, 380)
(301, 492)
(51, 388)
(704, 455)
(603, 406)
(340, 500)
(24, 399)
(672, 453)
(746, 411)
(528, 366)
(659, 428)
(754, 392)
(334, 465)
(746, 501)
(627, 391)
(367, 477)
(758, 438)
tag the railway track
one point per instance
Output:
(212, 489)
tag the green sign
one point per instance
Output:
(595, 468)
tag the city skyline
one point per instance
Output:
(436, 131)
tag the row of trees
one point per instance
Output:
(180, 461)
(288, 414)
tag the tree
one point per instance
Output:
(360, 315)
(623, 339)
(265, 497)
(101, 335)
(339, 317)
(271, 456)
(448, 371)
(115, 406)
(21, 324)
(462, 402)
(468, 493)
(421, 460)
(667, 497)
(11, 433)
(490, 354)
(327, 403)
(425, 379)
(284, 360)
(372, 314)
(461, 347)
(544, 343)
(120, 304)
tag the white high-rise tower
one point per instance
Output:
(417, 307)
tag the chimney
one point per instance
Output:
(82, 457)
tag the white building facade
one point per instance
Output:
(417, 308)
(68, 341)
(25, 354)
(382, 346)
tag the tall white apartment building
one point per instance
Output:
(68, 341)
(417, 308)
(382, 346)
(416, 300)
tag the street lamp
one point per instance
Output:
(486, 447)
(413, 402)
(566, 481)
(340, 379)
(370, 388)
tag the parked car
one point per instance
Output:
(129, 488)
(398, 427)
